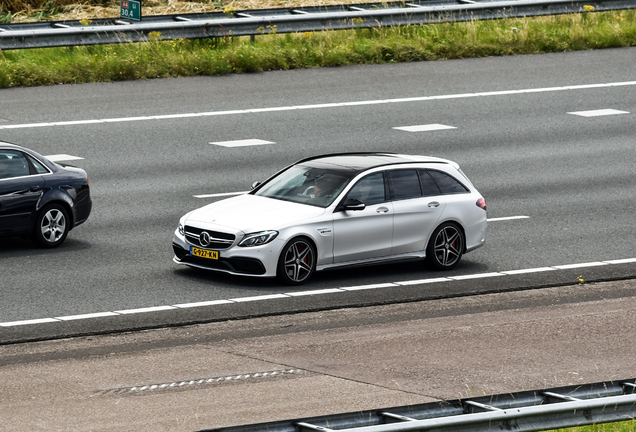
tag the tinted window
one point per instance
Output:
(447, 184)
(13, 164)
(369, 190)
(406, 184)
(429, 188)
(39, 168)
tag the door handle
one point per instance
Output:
(382, 210)
(35, 188)
(433, 204)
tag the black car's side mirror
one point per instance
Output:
(352, 204)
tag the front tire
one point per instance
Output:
(446, 247)
(297, 261)
(51, 226)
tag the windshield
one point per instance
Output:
(306, 185)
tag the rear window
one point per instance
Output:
(447, 184)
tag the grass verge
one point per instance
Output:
(177, 58)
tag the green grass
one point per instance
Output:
(627, 426)
(158, 58)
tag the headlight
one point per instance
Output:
(259, 238)
(181, 230)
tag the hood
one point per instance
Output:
(251, 213)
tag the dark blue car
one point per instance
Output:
(40, 199)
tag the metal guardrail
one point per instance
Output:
(536, 410)
(292, 20)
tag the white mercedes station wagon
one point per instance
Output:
(338, 210)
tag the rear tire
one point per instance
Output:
(446, 247)
(51, 226)
(297, 261)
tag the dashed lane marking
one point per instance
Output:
(598, 113)
(322, 106)
(241, 143)
(317, 292)
(424, 128)
(62, 157)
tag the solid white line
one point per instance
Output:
(87, 316)
(28, 322)
(219, 194)
(476, 276)
(203, 303)
(306, 293)
(372, 286)
(507, 218)
(423, 281)
(328, 105)
(316, 292)
(532, 270)
(580, 265)
(621, 261)
(257, 298)
(144, 310)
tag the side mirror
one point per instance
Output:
(353, 204)
(256, 184)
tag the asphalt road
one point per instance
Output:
(513, 133)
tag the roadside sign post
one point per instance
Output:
(130, 9)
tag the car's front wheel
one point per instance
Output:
(446, 247)
(297, 261)
(51, 226)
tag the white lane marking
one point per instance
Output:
(476, 276)
(598, 113)
(424, 128)
(242, 143)
(219, 194)
(423, 281)
(62, 157)
(318, 292)
(28, 322)
(327, 105)
(507, 218)
(87, 316)
(145, 310)
(315, 292)
(365, 287)
(531, 270)
(204, 303)
(581, 265)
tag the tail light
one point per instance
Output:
(481, 203)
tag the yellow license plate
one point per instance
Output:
(204, 253)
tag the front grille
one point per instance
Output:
(218, 240)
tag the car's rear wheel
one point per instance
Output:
(446, 247)
(51, 226)
(297, 261)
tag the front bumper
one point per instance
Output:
(260, 261)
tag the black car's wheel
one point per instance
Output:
(51, 226)
(445, 247)
(297, 261)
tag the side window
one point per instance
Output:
(369, 190)
(429, 188)
(13, 164)
(447, 184)
(406, 184)
(39, 168)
